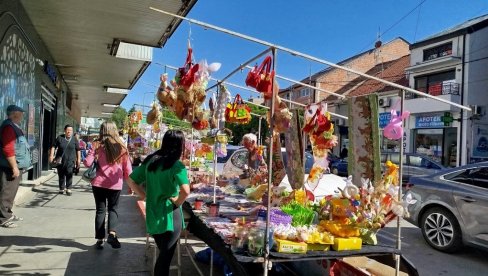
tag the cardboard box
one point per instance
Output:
(284, 246)
(347, 244)
(372, 267)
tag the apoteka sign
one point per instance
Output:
(431, 121)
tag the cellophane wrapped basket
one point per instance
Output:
(279, 217)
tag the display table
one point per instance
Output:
(200, 225)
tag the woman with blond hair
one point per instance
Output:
(112, 169)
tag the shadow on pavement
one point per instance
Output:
(35, 242)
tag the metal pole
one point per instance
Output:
(309, 57)
(270, 175)
(259, 131)
(254, 91)
(240, 68)
(400, 176)
(307, 85)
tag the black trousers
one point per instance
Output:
(65, 175)
(166, 243)
(105, 199)
(8, 190)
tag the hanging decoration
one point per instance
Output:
(154, 114)
(394, 129)
(320, 129)
(186, 92)
(238, 112)
(262, 78)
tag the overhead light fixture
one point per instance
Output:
(110, 105)
(107, 113)
(116, 90)
(133, 51)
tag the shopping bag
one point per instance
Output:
(258, 73)
(238, 111)
(91, 173)
(266, 79)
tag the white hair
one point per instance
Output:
(251, 137)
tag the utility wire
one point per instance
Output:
(394, 24)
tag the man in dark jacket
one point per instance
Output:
(67, 148)
(14, 156)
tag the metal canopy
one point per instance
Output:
(79, 36)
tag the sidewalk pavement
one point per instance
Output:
(56, 236)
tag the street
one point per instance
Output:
(469, 261)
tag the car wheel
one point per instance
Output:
(335, 171)
(441, 230)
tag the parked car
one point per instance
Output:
(235, 165)
(222, 160)
(413, 165)
(452, 207)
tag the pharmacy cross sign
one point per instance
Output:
(447, 119)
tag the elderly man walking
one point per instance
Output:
(14, 157)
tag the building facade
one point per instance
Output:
(29, 79)
(450, 65)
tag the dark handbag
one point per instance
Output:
(57, 162)
(91, 173)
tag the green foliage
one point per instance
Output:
(169, 118)
(253, 127)
(119, 117)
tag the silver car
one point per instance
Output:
(452, 207)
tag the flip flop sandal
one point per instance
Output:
(9, 224)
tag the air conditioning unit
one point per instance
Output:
(384, 102)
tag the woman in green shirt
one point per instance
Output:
(166, 190)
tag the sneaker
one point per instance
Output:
(16, 218)
(99, 244)
(113, 241)
(68, 192)
(61, 192)
(9, 224)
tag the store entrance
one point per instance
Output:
(440, 144)
(48, 129)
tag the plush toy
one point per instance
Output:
(276, 195)
(394, 129)
(391, 174)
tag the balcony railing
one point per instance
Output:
(450, 88)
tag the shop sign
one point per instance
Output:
(384, 118)
(429, 121)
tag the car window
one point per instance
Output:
(224, 159)
(393, 157)
(239, 159)
(459, 176)
(479, 177)
(308, 162)
(416, 161)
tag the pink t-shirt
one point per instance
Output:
(109, 176)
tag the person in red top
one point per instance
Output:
(10, 176)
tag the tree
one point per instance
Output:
(119, 116)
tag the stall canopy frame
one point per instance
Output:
(274, 47)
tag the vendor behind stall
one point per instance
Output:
(256, 167)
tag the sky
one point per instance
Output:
(329, 30)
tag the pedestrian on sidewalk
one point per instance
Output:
(113, 167)
(167, 188)
(67, 148)
(14, 157)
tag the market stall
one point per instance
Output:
(261, 222)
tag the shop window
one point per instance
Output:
(438, 51)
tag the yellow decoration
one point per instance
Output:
(347, 244)
(301, 196)
(391, 175)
